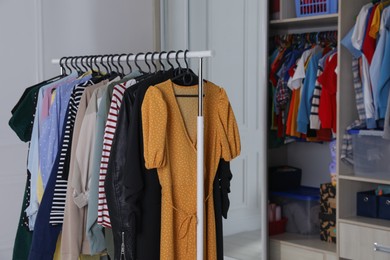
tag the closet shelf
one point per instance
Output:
(363, 179)
(367, 222)
(306, 242)
(327, 21)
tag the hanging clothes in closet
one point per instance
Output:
(368, 42)
(303, 82)
(101, 182)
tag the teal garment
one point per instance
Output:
(23, 113)
(94, 231)
(23, 239)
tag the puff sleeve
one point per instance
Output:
(154, 125)
(228, 129)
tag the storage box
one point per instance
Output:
(367, 204)
(277, 227)
(371, 154)
(283, 178)
(328, 199)
(315, 7)
(301, 207)
(384, 206)
(327, 227)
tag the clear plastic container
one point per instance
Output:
(301, 207)
(371, 154)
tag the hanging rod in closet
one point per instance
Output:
(156, 56)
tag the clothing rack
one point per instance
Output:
(200, 123)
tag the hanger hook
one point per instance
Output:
(89, 62)
(108, 62)
(94, 60)
(136, 60)
(159, 60)
(170, 64)
(113, 63)
(146, 61)
(127, 62)
(154, 64)
(102, 63)
(177, 60)
(63, 71)
(119, 63)
(72, 64)
(79, 70)
(82, 64)
(185, 60)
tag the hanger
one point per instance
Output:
(113, 63)
(159, 60)
(170, 64)
(187, 77)
(127, 62)
(178, 70)
(63, 70)
(96, 64)
(153, 63)
(119, 63)
(108, 71)
(146, 61)
(136, 61)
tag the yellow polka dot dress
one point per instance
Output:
(170, 145)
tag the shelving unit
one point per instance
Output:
(355, 235)
(289, 245)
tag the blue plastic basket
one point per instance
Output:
(315, 7)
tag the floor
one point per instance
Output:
(243, 246)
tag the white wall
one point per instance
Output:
(32, 33)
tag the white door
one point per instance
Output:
(236, 30)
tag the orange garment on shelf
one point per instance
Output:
(170, 145)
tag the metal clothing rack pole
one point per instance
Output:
(200, 134)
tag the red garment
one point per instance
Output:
(369, 43)
(327, 107)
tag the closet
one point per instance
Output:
(356, 237)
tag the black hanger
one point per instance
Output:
(178, 70)
(82, 64)
(170, 64)
(187, 77)
(127, 62)
(119, 63)
(96, 63)
(67, 66)
(153, 63)
(63, 70)
(136, 61)
(108, 71)
(159, 60)
(113, 63)
(146, 61)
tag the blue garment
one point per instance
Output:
(382, 91)
(307, 93)
(347, 42)
(33, 155)
(45, 235)
(49, 140)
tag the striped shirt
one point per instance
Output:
(109, 132)
(346, 147)
(58, 204)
